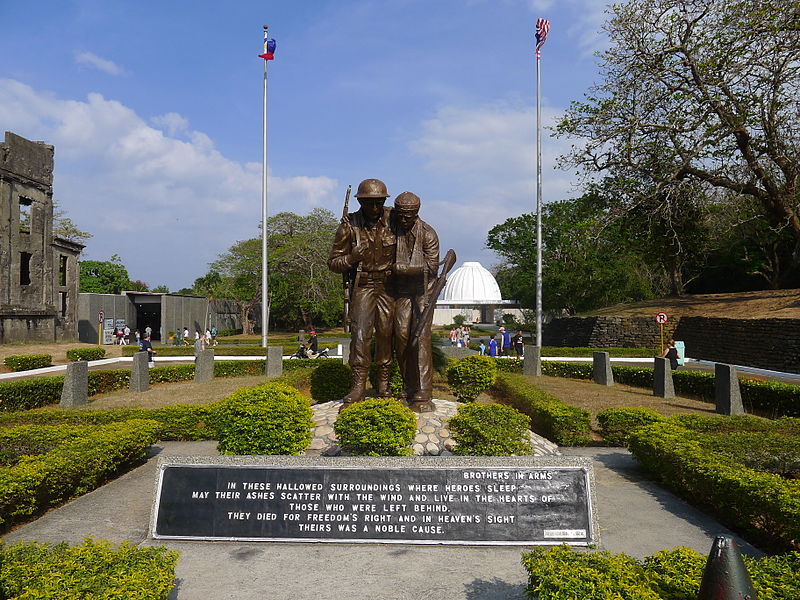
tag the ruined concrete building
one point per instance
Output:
(38, 271)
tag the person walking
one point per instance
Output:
(519, 343)
(147, 346)
(127, 337)
(505, 342)
(492, 346)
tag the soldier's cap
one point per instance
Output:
(407, 201)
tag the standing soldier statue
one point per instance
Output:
(364, 250)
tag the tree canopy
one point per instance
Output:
(103, 276)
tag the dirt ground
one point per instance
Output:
(766, 304)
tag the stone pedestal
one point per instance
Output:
(140, 373)
(456, 352)
(601, 369)
(274, 366)
(204, 366)
(532, 361)
(662, 379)
(76, 385)
(346, 352)
(726, 390)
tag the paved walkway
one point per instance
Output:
(635, 516)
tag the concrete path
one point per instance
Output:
(635, 516)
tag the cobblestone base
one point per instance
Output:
(433, 437)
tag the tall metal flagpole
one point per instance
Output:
(542, 28)
(264, 236)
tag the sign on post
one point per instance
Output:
(661, 319)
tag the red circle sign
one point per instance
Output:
(661, 318)
(100, 316)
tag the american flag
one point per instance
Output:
(542, 29)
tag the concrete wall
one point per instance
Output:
(115, 306)
(178, 312)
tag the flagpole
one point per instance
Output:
(538, 201)
(264, 236)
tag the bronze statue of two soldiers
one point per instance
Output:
(389, 259)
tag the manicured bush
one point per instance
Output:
(26, 362)
(94, 353)
(30, 393)
(271, 418)
(617, 423)
(562, 574)
(72, 468)
(331, 380)
(471, 375)
(550, 417)
(565, 369)
(490, 430)
(586, 352)
(766, 507)
(33, 440)
(88, 570)
(376, 427)
(509, 365)
(395, 378)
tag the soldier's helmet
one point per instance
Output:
(407, 201)
(372, 188)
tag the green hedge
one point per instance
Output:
(93, 353)
(88, 570)
(36, 483)
(550, 417)
(376, 427)
(561, 574)
(490, 430)
(26, 362)
(765, 506)
(471, 375)
(617, 423)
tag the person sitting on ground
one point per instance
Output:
(671, 354)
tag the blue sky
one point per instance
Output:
(155, 112)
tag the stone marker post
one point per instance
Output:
(204, 366)
(726, 390)
(532, 361)
(601, 369)
(662, 379)
(76, 385)
(140, 373)
(346, 351)
(301, 335)
(274, 367)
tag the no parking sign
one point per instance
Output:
(661, 318)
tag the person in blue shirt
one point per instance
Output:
(482, 348)
(505, 342)
(492, 346)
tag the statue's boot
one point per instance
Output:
(383, 382)
(359, 386)
(422, 401)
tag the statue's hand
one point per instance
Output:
(358, 253)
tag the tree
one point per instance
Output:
(160, 289)
(240, 271)
(103, 277)
(63, 226)
(208, 285)
(700, 91)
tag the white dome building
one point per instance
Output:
(471, 291)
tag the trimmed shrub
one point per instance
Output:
(26, 362)
(72, 468)
(88, 570)
(617, 423)
(550, 417)
(331, 380)
(395, 378)
(509, 365)
(271, 418)
(94, 353)
(562, 574)
(490, 430)
(30, 393)
(32, 440)
(376, 427)
(764, 506)
(471, 375)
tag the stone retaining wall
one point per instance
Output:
(605, 332)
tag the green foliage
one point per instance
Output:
(103, 277)
(271, 418)
(508, 365)
(36, 483)
(765, 506)
(490, 430)
(331, 380)
(617, 423)
(395, 378)
(561, 574)
(550, 417)
(459, 320)
(471, 375)
(95, 353)
(376, 427)
(26, 362)
(88, 570)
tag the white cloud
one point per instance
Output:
(168, 206)
(101, 64)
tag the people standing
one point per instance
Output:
(147, 346)
(138, 337)
(492, 346)
(127, 337)
(148, 332)
(186, 341)
(482, 348)
(214, 335)
(671, 354)
(519, 343)
(364, 251)
(453, 336)
(115, 337)
(505, 342)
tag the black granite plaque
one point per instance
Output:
(469, 505)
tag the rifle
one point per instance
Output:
(436, 289)
(347, 281)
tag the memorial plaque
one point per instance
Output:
(368, 502)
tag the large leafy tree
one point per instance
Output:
(698, 91)
(103, 276)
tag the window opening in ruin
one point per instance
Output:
(25, 214)
(62, 270)
(25, 268)
(63, 297)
